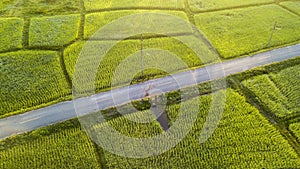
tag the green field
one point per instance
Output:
(295, 128)
(279, 92)
(94, 21)
(125, 48)
(244, 138)
(53, 31)
(243, 31)
(11, 34)
(292, 5)
(50, 148)
(30, 78)
(208, 5)
(29, 8)
(91, 5)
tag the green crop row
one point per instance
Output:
(94, 21)
(11, 31)
(43, 148)
(30, 78)
(28, 8)
(295, 128)
(122, 50)
(243, 139)
(243, 31)
(292, 5)
(205, 5)
(91, 5)
(53, 31)
(279, 92)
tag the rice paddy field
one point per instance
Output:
(42, 40)
(228, 29)
(278, 91)
(244, 138)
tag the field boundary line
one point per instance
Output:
(288, 9)
(26, 27)
(64, 69)
(134, 9)
(234, 7)
(265, 112)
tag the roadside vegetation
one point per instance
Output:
(29, 79)
(210, 5)
(243, 138)
(279, 91)
(244, 31)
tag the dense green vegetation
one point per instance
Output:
(95, 21)
(60, 146)
(295, 128)
(28, 8)
(30, 78)
(125, 48)
(244, 138)
(53, 31)
(292, 5)
(279, 92)
(205, 5)
(244, 31)
(130, 4)
(11, 34)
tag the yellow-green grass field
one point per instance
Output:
(210, 5)
(92, 5)
(11, 31)
(30, 78)
(124, 49)
(292, 5)
(243, 31)
(51, 147)
(279, 92)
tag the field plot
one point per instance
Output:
(27, 8)
(124, 49)
(292, 5)
(43, 148)
(11, 33)
(295, 128)
(205, 5)
(243, 31)
(95, 21)
(279, 92)
(53, 31)
(131, 4)
(243, 139)
(30, 78)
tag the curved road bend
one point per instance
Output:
(65, 110)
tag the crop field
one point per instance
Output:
(30, 78)
(210, 5)
(11, 34)
(95, 21)
(244, 138)
(91, 5)
(279, 92)
(234, 28)
(48, 148)
(53, 31)
(295, 128)
(294, 6)
(243, 31)
(30, 8)
(125, 48)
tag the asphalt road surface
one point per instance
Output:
(66, 110)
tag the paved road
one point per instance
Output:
(66, 110)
